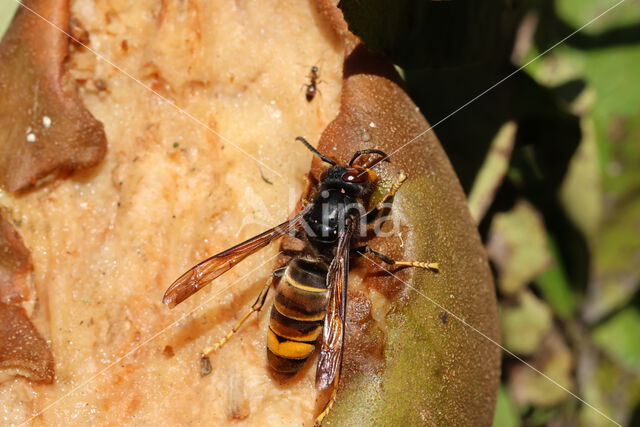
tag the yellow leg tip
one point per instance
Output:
(397, 183)
(207, 351)
(433, 266)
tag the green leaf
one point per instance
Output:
(518, 246)
(525, 325)
(577, 12)
(618, 337)
(584, 207)
(506, 414)
(492, 171)
(555, 287)
(555, 360)
(607, 386)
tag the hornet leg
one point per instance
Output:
(205, 364)
(385, 204)
(362, 250)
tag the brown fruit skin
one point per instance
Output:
(436, 370)
(45, 131)
(15, 262)
(23, 351)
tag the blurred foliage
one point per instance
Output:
(549, 158)
(517, 245)
(525, 323)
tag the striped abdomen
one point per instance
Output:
(297, 315)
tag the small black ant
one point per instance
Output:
(312, 87)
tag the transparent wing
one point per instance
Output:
(332, 345)
(211, 268)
